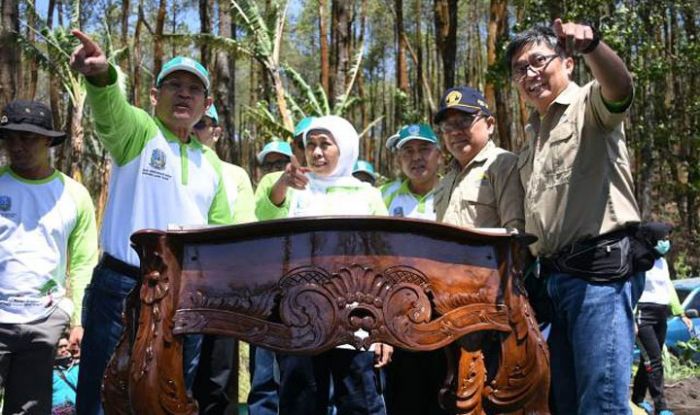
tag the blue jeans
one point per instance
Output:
(103, 306)
(591, 345)
(349, 376)
(263, 398)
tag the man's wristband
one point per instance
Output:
(594, 43)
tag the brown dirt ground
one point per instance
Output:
(683, 396)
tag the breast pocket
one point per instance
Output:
(563, 146)
(480, 203)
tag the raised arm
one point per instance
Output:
(607, 67)
(89, 60)
(123, 129)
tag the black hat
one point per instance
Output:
(461, 98)
(31, 117)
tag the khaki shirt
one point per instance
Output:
(484, 194)
(576, 172)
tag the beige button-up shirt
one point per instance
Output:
(486, 193)
(576, 172)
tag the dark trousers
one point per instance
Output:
(651, 326)
(27, 353)
(214, 374)
(413, 382)
(306, 381)
(264, 382)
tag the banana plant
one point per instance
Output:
(263, 43)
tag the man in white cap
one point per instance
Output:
(419, 157)
(363, 171)
(161, 176)
(274, 156)
(48, 247)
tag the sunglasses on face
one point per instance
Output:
(202, 124)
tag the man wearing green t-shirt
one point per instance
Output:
(48, 248)
(162, 177)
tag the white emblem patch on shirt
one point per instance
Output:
(157, 163)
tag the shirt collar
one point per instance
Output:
(171, 137)
(404, 189)
(566, 97)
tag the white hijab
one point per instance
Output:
(348, 142)
(313, 201)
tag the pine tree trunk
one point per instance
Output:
(125, 64)
(401, 66)
(205, 27)
(445, 12)
(138, 58)
(225, 88)
(158, 38)
(10, 58)
(498, 23)
(323, 37)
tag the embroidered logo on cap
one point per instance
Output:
(414, 129)
(453, 98)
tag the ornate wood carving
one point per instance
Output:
(307, 285)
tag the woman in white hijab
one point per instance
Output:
(326, 187)
(331, 147)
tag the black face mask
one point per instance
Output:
(63, 362)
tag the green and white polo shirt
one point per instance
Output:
(48, 236)
(157, 181)
(362, 199)
(400, 201)
(239, 192)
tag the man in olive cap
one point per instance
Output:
(162, 176)
(48, 248)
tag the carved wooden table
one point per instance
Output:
(307, 285)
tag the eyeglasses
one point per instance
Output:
(276, 165)
(202, 124)
(536, 62)
(463, 122)
(176, 86)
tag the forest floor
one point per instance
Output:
(682, 397)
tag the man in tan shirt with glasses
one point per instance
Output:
(579, 202)
(481, 188)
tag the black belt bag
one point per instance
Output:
(604, 258)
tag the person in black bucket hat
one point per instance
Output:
(48, 248)
(30, 117)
